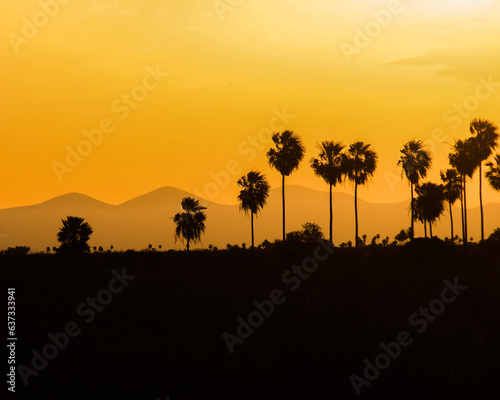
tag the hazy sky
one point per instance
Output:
(180, 89)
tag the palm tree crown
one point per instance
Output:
(415, 161)
(451, 185)
(493, 173)
(430, 202)
(191, 223)
(288, 154)
(254, 192)
(330, 163)
(486, 136)
(74, 235)
(362, 163)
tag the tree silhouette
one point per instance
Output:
(463, 159)
(486, 136)
(361, 164)
(191, 223)
(253, 195)
(73, 236)
(285, 158)
(415, 161)
(451, 189)
(430, 202)
(493, 173)
(331, 166)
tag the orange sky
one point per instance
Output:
(182, 88)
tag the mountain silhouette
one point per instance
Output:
(147, 219)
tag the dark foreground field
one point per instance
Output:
(162, 335)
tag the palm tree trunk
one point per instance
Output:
(451, 220)
(411, 230)
(356, 210)
(462, 205)
(251, 222)
(187, 245)
(331, 216)
(430, 228)
(481, 200)
(465, 211)
(425, 228)
(283, 199)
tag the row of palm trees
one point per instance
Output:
(357, 163)
(466, 157)
(334, 164)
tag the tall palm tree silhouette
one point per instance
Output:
(463, 158)
(493, 173)
(486, 136)
(452, 189)
(74, 235)
(253, 195)
(191, 223)
(361, 164)
(331, 166)
(285, 158)
(415, 161)
(430, 202)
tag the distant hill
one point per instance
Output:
(148, 219)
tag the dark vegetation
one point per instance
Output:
(162, 335)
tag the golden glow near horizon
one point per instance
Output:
(117, 98)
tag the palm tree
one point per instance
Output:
(253, 195)
(452, 189)
(331, 166)
(486, 136)
(361, 164)
(415, 161)
(463, 159)
(493, 173)
(431, 202)
(190, 223)
(418, 211)
(73, 236)
(285, 158)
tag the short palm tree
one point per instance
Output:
(285, 158)
(73, 236)
(431, 202)
(253, 195)
(415, 161)
(331, 166)
(452, 189)
(463, 159)
(486, 136)
(191, 223)
(361, 165)
(493, 173)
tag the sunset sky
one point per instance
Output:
(180, 88)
